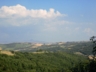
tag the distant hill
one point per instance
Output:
(83, 48)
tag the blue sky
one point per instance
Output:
(47, 20)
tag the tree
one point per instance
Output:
(0, 49)
(93, 39)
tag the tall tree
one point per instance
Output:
(93, 39)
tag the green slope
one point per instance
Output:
(44, 62)
(71, 47)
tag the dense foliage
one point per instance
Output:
(89, 66)
(42, 62)
(86, 66)
(93, 39)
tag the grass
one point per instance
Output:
(6, 52)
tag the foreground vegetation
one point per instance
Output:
(42, 62)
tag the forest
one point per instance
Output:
(42, 62)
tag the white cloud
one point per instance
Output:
(55, 25)
(19, 15)
(76, 29)
(21, 11)
(89, 31)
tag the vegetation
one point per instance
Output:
(89, 66)
(93, 39)
(42, 62)
(58, 57)
(71, 47)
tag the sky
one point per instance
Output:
(47, 20)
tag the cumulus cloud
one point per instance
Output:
(21, 11)
(19, 15)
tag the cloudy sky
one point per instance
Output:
(47, 20)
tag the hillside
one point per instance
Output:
(53, 57)
(6, 52)
(42, 62)
(84, 48)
